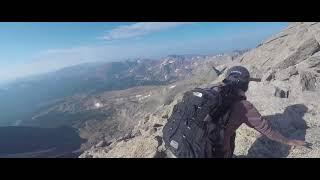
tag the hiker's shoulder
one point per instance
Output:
(216, 85)
(244, 103)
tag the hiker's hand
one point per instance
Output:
(299, 143)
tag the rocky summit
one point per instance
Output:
(288, 96)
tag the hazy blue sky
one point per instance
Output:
(29, 48)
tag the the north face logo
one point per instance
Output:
(174, 144)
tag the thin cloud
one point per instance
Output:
(55, 59)
(140, 29)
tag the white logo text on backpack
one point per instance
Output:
(197, 94)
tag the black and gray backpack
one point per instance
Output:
(195, 128)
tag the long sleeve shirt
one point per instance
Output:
(244, 112)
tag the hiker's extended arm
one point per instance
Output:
(254, 119)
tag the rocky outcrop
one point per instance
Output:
(148, 144)
(308, 81)
(305, 50)
(285, 49)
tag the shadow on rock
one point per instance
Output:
(290, 123)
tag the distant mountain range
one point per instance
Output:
(22, 98)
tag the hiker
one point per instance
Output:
(204, 123)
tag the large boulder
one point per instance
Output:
(281, 93)
(285, 74)
(281, 89)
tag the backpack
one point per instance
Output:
(196, 126)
